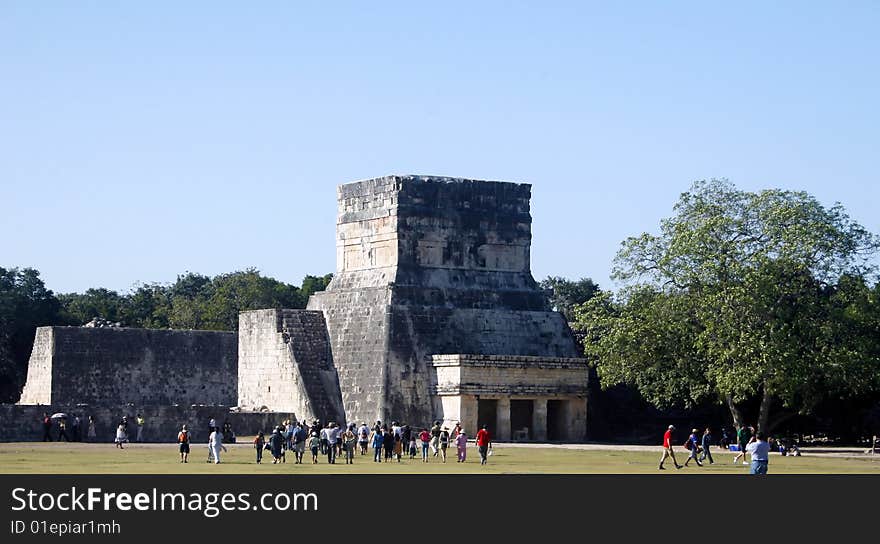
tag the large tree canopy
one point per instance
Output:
(741, 296)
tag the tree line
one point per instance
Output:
(193, 301)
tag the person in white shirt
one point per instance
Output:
(759, 449)
(215, 443)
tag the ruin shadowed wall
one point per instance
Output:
(430, 265)
(20, 423)
(111, 366)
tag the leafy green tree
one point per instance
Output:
(313, 284)
(566, 295)
(79, 309)
(734, 300)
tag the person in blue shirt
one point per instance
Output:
(693, 446)
(707, 441)
(378, 439)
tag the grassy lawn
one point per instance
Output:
(66, 458)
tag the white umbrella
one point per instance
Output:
(59, 415)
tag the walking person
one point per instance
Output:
(377, 440)
(444, 443)
(388, 444)
(62, 430)
(667, 448)
(693, 446)
(91, 435)
(299, 443)
(743, 437)
(276, 444)
(332, 436)
(75, 427)
(350, 441)
(461, 445)
(120, 436)
(139, 419)
(363, 437)
(259, 444)
(707, 442)
(215, 442)
(435, 439)
(759, 449)
(484, 442)
(47, 428)
(412, 446)
(315, 446)
(183, 444)
(425, 438)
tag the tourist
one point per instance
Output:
(377, 440)
(693, 447)
(388, 444)
(47, 428)
(667, 448)
(405, 436)
(325, 441)
(484, 442)
(455, 431)
(125, 426)
(377, 427)
(332, 440)
(444, 442)
(215, 441)
(91, 434)
(461, 444)
(707, 442)
(75, 429)
(398, 445)
(299, 443)
(62, 430)
(725, 439)
(315, 446)
(259, 444)
(412, 446)
(139, 419)
(743, 437)
(759, 449)
(276, 445)
(349, 440)
(120, 436)
(289, 428)
(183, 441)
(212, 425)
(228, 435)
(363, 437)
(435, 439)
(425, 438)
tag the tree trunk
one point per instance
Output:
(734, 411)
(764, 413)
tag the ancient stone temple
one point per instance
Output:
(433, 312)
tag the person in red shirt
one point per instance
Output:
(667, 448)
(483, 443)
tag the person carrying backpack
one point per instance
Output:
(693, 446)
(183, 440)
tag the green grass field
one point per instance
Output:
(61, 458)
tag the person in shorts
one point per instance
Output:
(743, 437)
(183, 441)
(315, 447)
(444, 442)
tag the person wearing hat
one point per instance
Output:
(363, 437)
(667, 448)
(461, 445)
(693, 446)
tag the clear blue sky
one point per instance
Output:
(142, 140)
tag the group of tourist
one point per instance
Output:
(69, 427)
(698, 446)
(388, 443)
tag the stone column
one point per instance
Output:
(539, 420)
(502, 420)
(469, 414)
